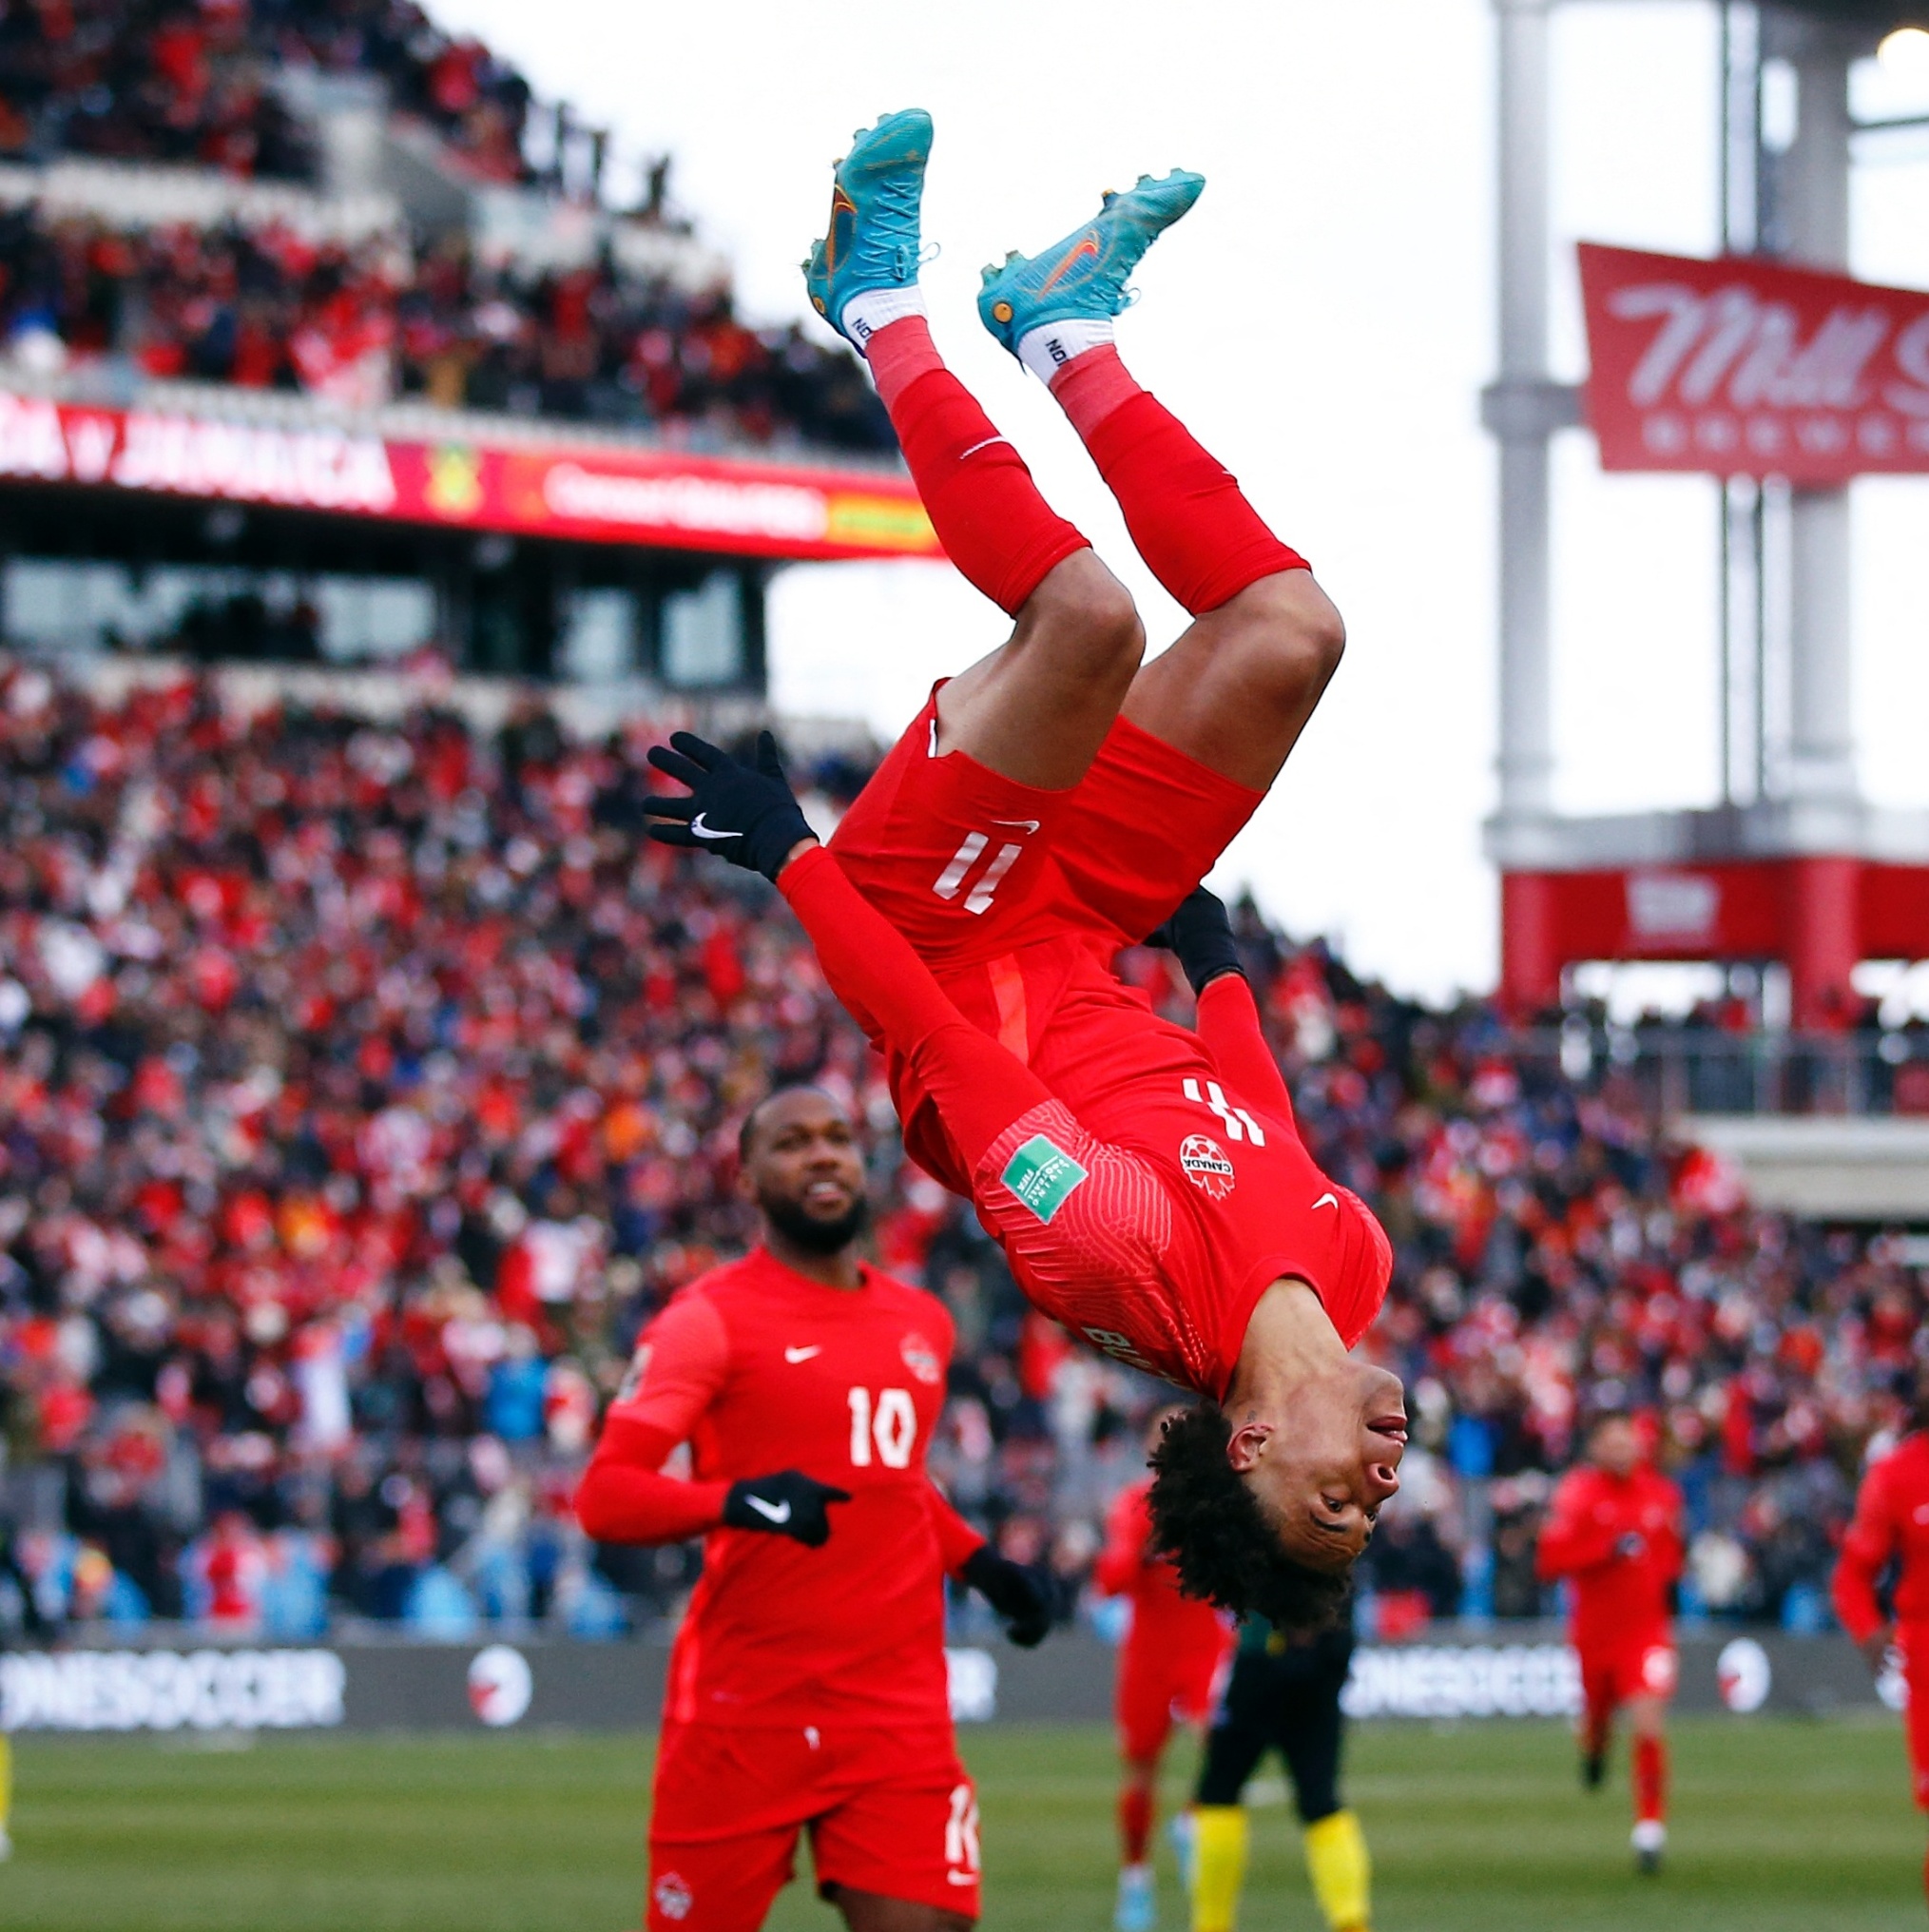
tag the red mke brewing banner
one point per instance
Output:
(586, 491)
(1746, 368)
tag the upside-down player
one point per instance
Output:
(1891, 1524)
(1613, 1533)
(1054, 803)
(1172, 1652)
(807, 1684)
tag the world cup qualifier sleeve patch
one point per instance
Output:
(1043, 1176)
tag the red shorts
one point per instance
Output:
(1613, 1676)
(969, 865)
(1159, 1685)
(892, 1812)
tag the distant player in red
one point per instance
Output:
(807, 1683)
(1891, 1525)
(1173, 1651)
(1614, 1535)
(1055, 803)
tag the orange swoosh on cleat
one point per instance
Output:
(841, 205)
(1088, 245)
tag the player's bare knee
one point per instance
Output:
(1292, 638)
(1086, 619)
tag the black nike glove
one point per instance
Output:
(1201, 934)
(744, 813)
(1020, 1594)
(787, 1504)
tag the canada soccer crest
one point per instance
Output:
(920, 1358)
(1205, 1165)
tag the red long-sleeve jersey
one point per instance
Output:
(1147, 1182)
(758, 1369)
(1891, 1520)
(1163, 1622)
(1618, 1540)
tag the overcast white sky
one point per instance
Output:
(1323, 319)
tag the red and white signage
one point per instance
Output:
(1746, 368)
(589, 492)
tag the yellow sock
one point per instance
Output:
(6, 1781)
(1341, 1871)
(1218, 1866)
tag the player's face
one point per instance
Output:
(1616, 1446)
(803, 1170)
(1331, 1463)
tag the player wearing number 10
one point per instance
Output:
(807, 1684)
(1054, 803)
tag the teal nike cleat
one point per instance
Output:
(1084, 275)
(872, 237)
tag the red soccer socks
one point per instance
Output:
(993, 524)
(1191, 523)
(1650, 1780)
(1135, 1824)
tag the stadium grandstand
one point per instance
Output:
(368, 1085)
(383, 382)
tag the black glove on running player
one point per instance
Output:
(787, 1504)
(744, 813)
(1018, 1594)
(1201, 934)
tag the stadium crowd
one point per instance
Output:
(397, 315)
(361, 325)
(365, 1086)
(163, 81)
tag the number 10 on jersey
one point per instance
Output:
(885, 1424)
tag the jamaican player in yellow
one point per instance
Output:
(1284, 1695)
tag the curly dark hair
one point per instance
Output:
(1211, 1525)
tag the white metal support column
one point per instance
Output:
(1523, 409)
(1812, 190)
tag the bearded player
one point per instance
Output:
(807, 1683)
(1056, 802)
(1173, 1651)
(1613, 1533)
(1891, 1525)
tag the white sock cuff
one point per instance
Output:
(1046, 351)
(872, 309)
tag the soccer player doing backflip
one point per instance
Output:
(1054, 803)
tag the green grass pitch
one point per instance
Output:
(1780, 1826)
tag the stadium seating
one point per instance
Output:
(365, 1084)
(175, 207)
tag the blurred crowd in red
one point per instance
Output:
(364, 1086)
(159, 80)
(362, 325)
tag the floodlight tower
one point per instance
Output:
(1792, 830)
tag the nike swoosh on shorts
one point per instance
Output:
(804, 1354)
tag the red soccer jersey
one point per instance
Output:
(1146, 1181)
(1891, 1521)
(761, 1369)
(1165, 1625)
(1618, 1540)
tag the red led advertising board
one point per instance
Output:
(585, 491)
